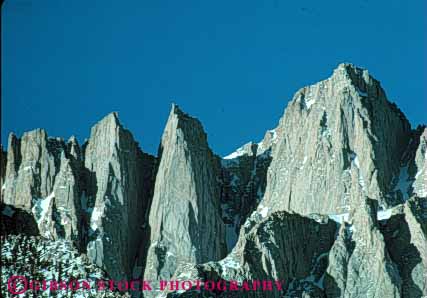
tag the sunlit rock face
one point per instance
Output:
(185, 216)
(118, 196)
(331, 131)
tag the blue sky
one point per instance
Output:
(232, 64)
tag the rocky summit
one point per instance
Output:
(331, 203)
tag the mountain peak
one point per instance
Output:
(111, 118)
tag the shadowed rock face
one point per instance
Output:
(16, 221)
(243, 182)
(185, 217)
(332, 202)
(405, 234)
(282, 247)
(359, 263)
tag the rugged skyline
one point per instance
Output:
(234, 65)
(333, 201)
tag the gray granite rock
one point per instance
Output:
(40, 180)
(282, 247)
(3, 161)
(33, 164)
(359, 263)
(337, 127)
(420, 164)
(118, 196)
(405, 233)
(332, 201)
(243, 178)
(185, 220)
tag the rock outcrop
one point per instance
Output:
(33, 164)
(185, 219)
(359, 263)
(405, 234)
(419, 164)
(118, 196)
(98, 197)
(331, 203)
(40, 180)
(244, 178)
(330, 130)
(282, 247)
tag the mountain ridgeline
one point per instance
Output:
(333, 201)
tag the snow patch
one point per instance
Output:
(340, 218)
(95, 217)
(263, 211)
(41, 212)
(310, 102)
(239, 152)
(273, 133)
(384, 214)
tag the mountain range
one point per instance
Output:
(333, 201)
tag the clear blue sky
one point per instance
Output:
(232, 64)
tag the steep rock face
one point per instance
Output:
(41, 178)
(244, 174)
(185, 217)
(339, 143)
(3, 161)
(337, 127)
(420, 165)
(405, 233)
(282, 247)
(359, 263)
(285, 246)
(118, 196)
(33, 164)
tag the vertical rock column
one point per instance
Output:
(184, 218)
(119, 193)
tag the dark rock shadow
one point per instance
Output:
(332, 290)
(402, 252)
(14, 221)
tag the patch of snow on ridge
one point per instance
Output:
(41, 207)
(263, 210)
(239, 152)
(384, 214)
(41, 212)
(273, 133)
(310, 102)
(345, 217)
(95, 217)
(340, 218)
